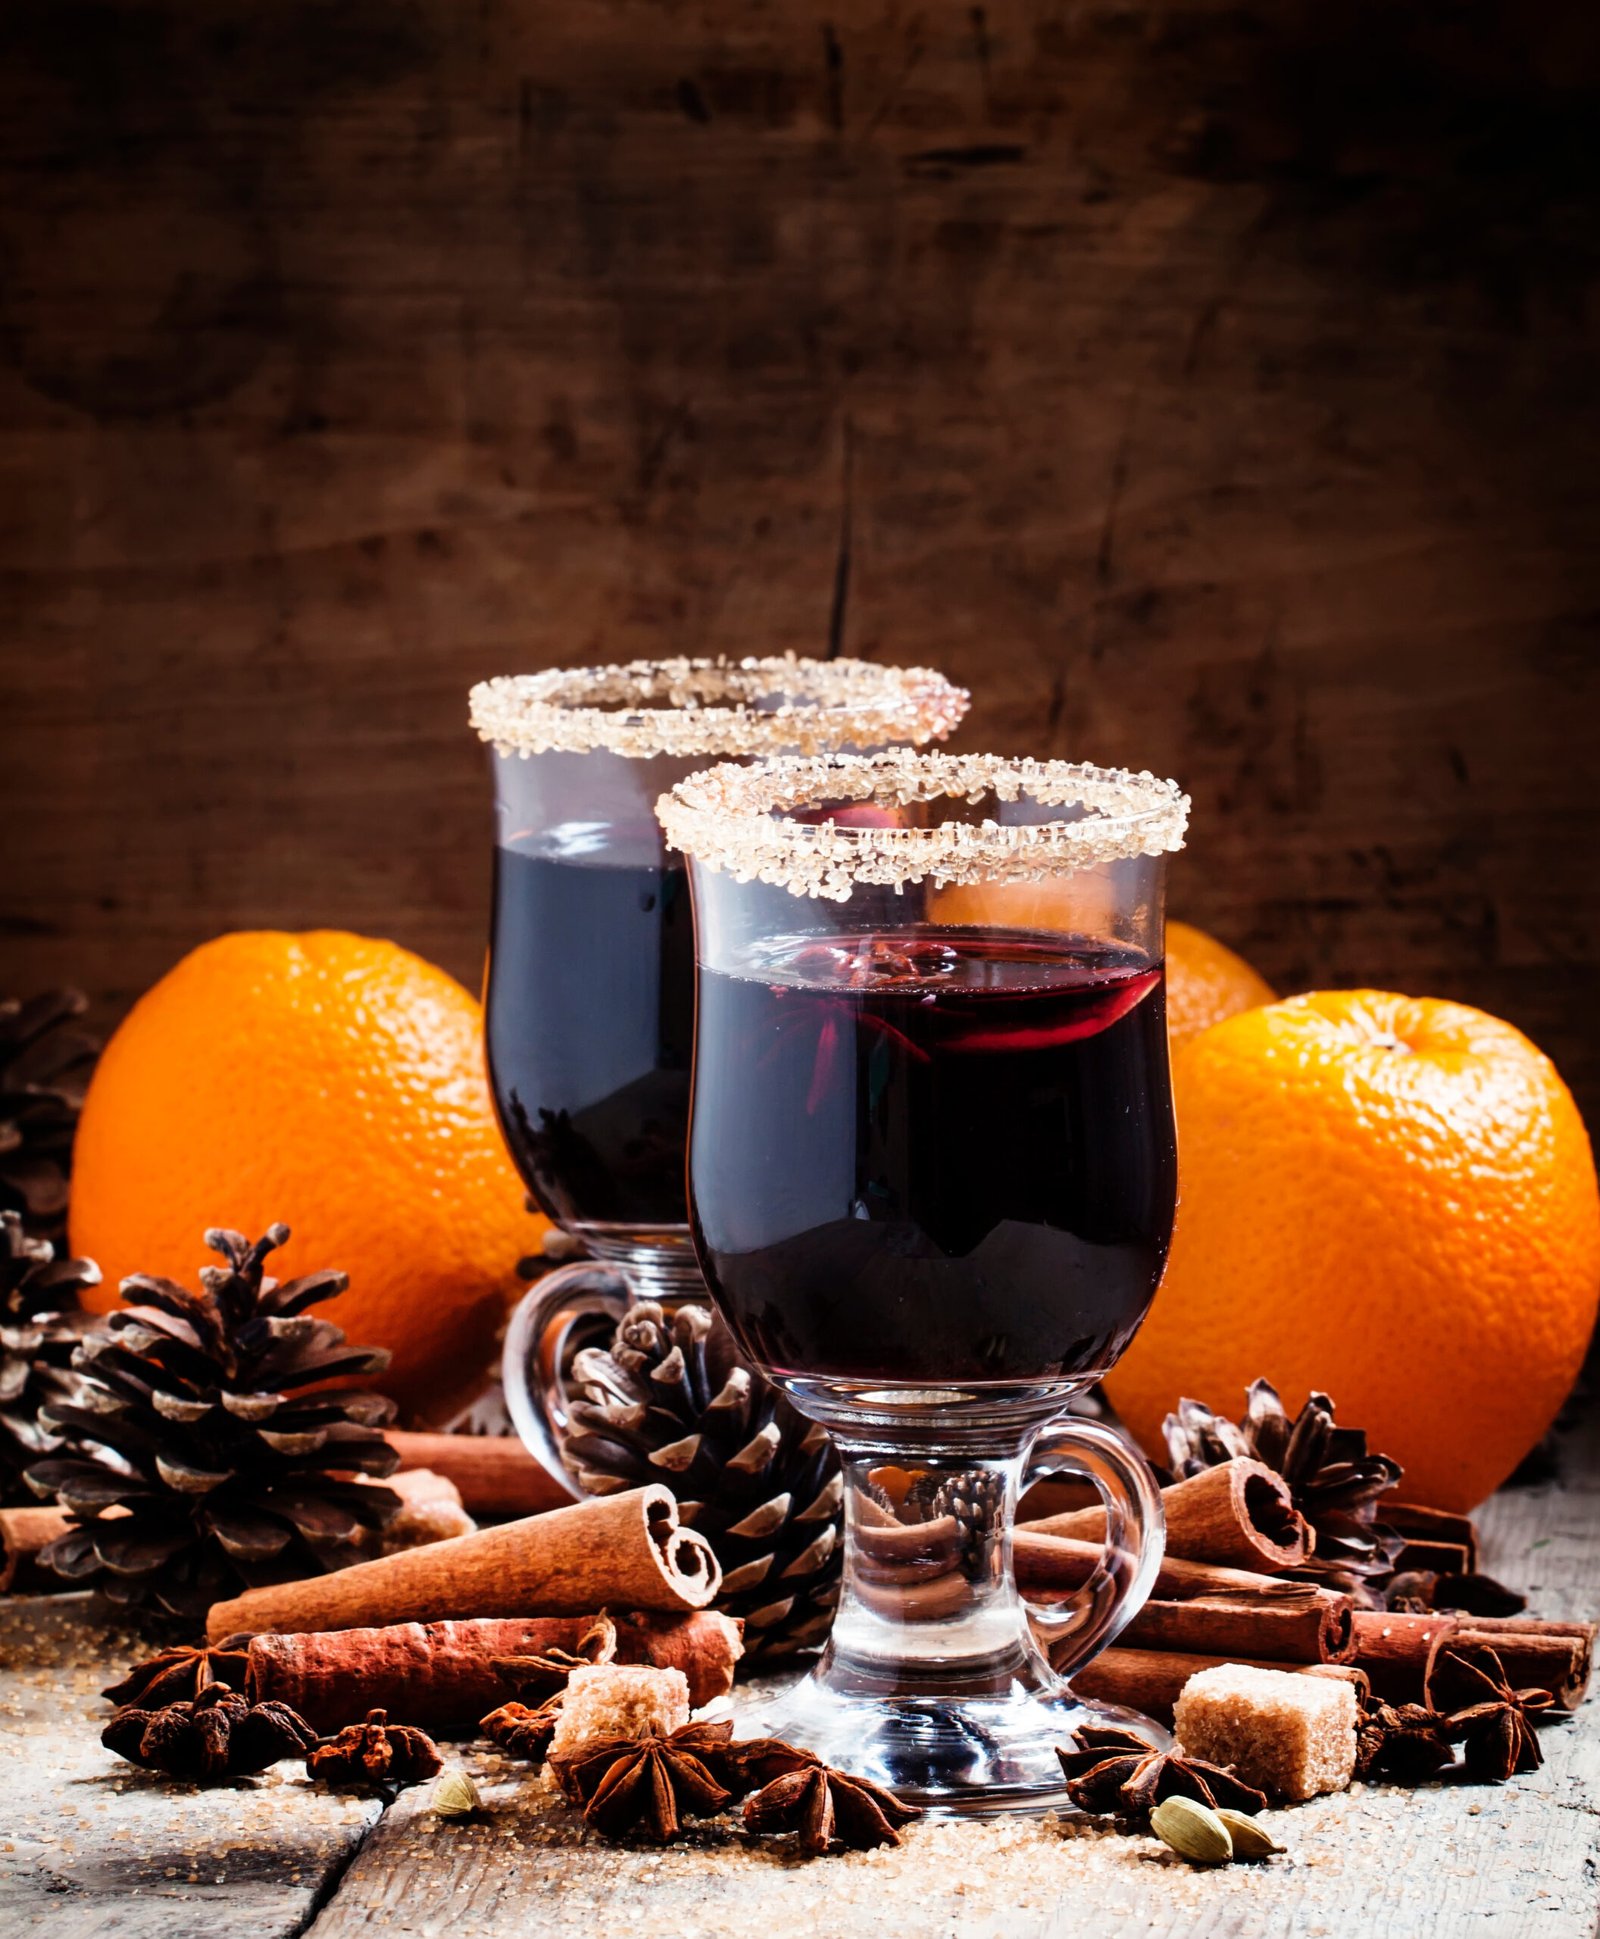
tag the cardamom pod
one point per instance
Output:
(455, 1795)
(1250, 1840)
(1194, 1832)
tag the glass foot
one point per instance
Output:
(986, 1753)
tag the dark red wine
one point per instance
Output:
(590, 1024)
(934, 1156)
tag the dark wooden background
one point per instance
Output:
(1210, 385)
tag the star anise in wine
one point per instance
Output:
(650, 1784)
(1403, 1743)
(1481, 1712)
(217, 1734)
(181, 1673)
(375, 1753)
(523, 1730)
(1115, 1771)
(826, 1807)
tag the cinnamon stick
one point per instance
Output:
(1423, 1526)
(1060, 1562)
(907, 1551)
(496, 1474)
(1150, 1680)
(23, 1533)
(1238, 1512)
(1557, 1657)
(1313, 1628)
(1396, 1650)
(626, 1550)
(1437, 1558)
(441, 1676)
(917, 1602)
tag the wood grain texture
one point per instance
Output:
(90, 1846)
(1211, 386)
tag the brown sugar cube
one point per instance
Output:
(605, 1700)
(1289, 1735)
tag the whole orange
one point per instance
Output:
(333, 1082)
(1390, 1200)
(1206, 982)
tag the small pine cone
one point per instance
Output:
(223, 1424)
(45, 1061)
(671, 1402)
(41, 1328)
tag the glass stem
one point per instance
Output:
(929, 1603)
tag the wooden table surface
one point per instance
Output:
(89, 1846)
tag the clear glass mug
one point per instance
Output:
(932, 1170)
(589, 1000)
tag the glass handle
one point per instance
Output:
(552, 1320)
(1071, 1631)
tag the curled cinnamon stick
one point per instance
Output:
(1311, 1628)
(495, 1473)
(1150, 1680)
(441, 1676)
(626, 1550)
(1238, 1512)
(23, 1533)
(1397, 1650)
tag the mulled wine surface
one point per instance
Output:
(590, 1028)
(934, 1156)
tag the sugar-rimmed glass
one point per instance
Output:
(932, 1178)
(589, 1005)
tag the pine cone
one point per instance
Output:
(974, 1499)
(41, 1327)
(45, 1061)
(1334, 1482)
(671, 1402)
(203, 1416)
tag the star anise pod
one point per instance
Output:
(537, 1677)
(1115, 1771)
(826, 1807)
(1404, 1743)
(1333, 1480)
(182, 1673)
(1482, 1713)
(217, 1734)
(523, 1731)
(650, 1784)
(376, 1753)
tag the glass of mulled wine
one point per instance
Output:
(589, 1003)
(932, 1174)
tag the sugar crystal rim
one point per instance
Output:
(733, 818)
(693, 707)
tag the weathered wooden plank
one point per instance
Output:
(91, 1847)
(1389, 1864)
(1211, 386)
